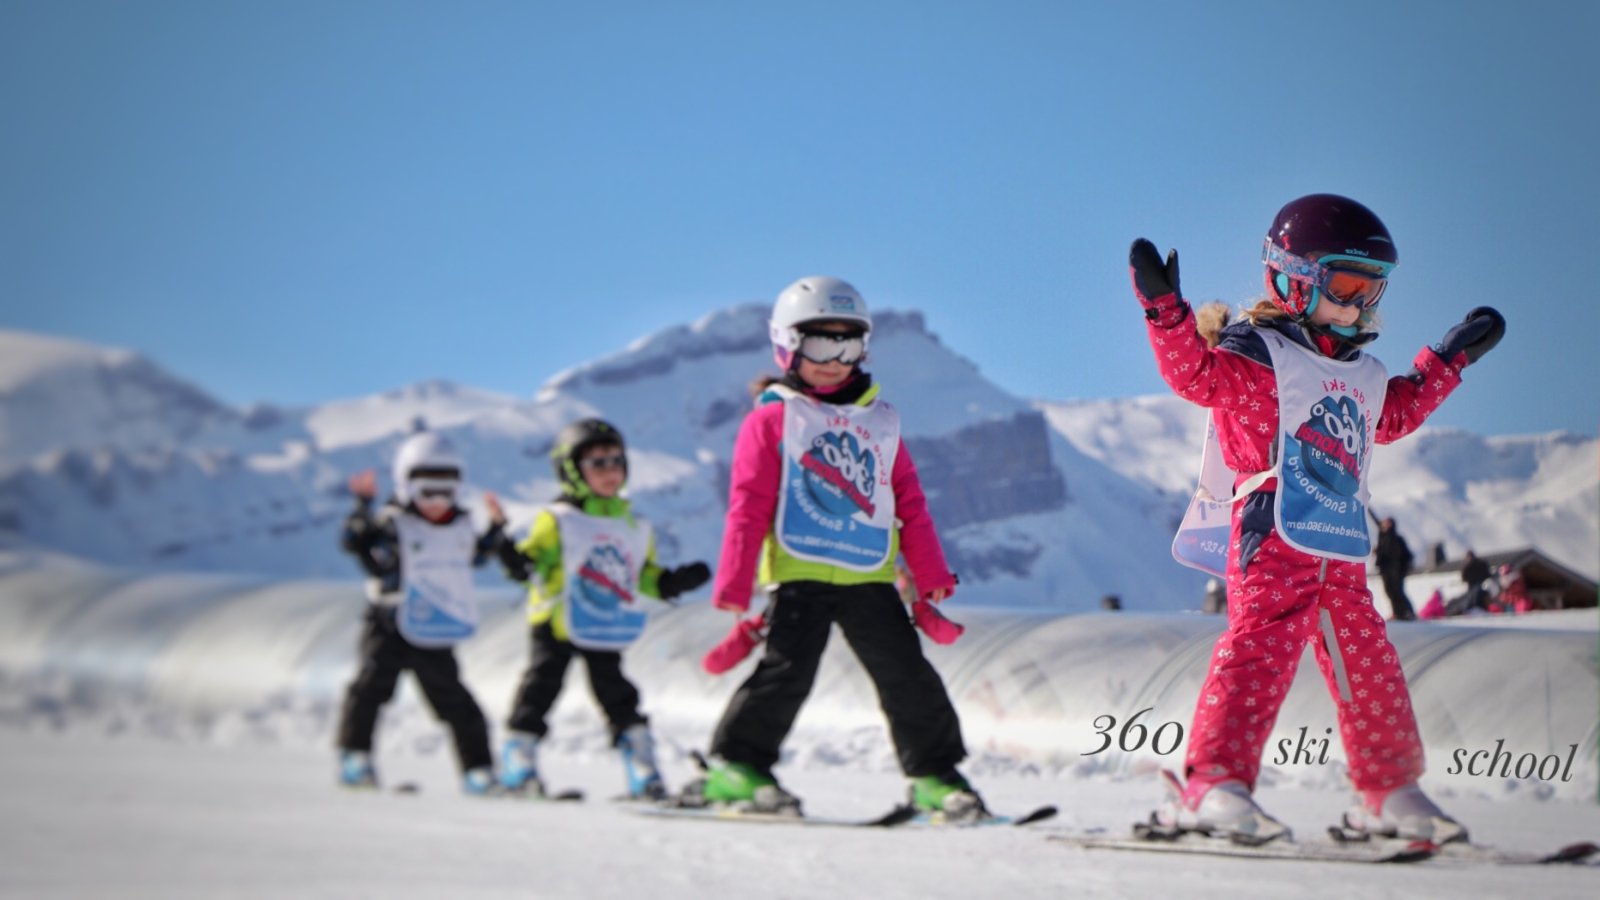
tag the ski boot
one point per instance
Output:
(355, 769)
(1224, 808)
(746, 788)
(519, 765)
(639, 761)
(480, 782)
(1405, 813)
(947, 798)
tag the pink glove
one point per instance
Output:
(744, 637)
(934, 624)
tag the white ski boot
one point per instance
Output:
(1225, 809)
(519, 764)
(1406, 813)
(639, 761)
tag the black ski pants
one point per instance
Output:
(922, 721)
(547, 669)
(384, 655)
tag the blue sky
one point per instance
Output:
(296, 201)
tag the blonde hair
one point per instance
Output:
(1211, 318)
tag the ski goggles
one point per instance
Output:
(436, 473)
(827, 346)
(1343, 280)
(601, 463)
(436, 491)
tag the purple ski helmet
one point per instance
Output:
(1318, 233)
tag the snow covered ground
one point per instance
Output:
(142, 818)
(170, 736)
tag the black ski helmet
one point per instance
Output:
(1322, 225)
(569, 446)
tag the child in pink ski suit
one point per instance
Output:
(1328, 259)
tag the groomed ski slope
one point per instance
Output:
(170, 736)
(272, 658)
(134, 818)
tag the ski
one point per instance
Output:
(1577, 854)
(1193, 842)
(897, 816)
(570, 795)
(1335, 849)
(913, 817)
(1461, 851)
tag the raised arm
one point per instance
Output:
(1196, 372)
(1413, 397)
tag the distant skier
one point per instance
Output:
(1393, 557)
(1295, 401)
(418, 552)
(823, 495)
(1474, 572)
(587, 560)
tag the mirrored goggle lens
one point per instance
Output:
(436, 490)
(601, 463)
(1348, 288)
(821, 348)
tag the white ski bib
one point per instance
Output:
(836, 502)
(601, 559)
(1202, 539)
(1327, 412)
(437, 607)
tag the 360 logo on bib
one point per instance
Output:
(1333, 440)
(840, 474)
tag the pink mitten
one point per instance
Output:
(744, 637)
(934, 624)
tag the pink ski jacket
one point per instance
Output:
(753, 503)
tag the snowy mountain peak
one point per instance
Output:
(1049, 504)
(435, 403)
(57, 393)
(734, 331)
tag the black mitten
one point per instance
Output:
(682, 579)
(1476, 335)
(1152, 278)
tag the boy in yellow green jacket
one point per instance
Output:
(587, 559)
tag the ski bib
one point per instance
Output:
(1327, 413)
(437, 607)
(601, 559)
(1327, 410)
(836, 503)
(1202, 539)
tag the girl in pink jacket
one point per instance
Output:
(823, 498)
(1297, 406)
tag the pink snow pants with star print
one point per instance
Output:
(1281, 600)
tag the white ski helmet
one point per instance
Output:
(814, 299)
(426, 456)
